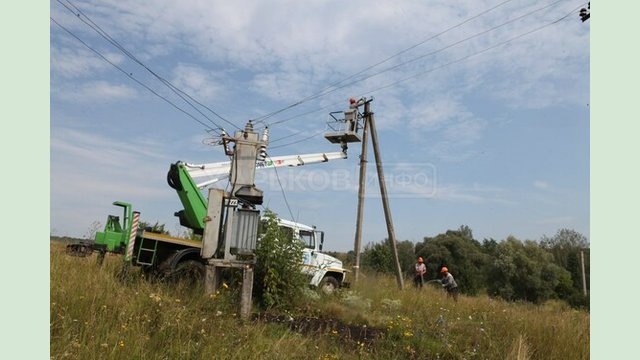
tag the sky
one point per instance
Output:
(481, 108)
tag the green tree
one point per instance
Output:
(568, 248)
(564, 244)
(526, 271)
(407, 256)
(378, 257)
(462, 255)
(278, 280)
(489, 247)
(466, 232)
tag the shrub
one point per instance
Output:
(278, 280)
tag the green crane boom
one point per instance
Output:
(194, 203)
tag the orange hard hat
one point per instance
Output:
(444, 269)
(420, 259)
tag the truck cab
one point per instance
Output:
(325, 272)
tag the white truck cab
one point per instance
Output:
(325, 272)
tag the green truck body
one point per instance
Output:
(115, 236)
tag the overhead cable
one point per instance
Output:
(328, 90)
(81, 16)
(129, 75)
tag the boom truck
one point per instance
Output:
(169, 256)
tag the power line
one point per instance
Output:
(305, 113)
(447, 64)
(298, 132)
(298, 141)
(441, 49)
(116, 44)
(284, 195)
(327, 90)
(476, 53)
(287, 136)
(131, 76)
(387, 69)
(434, 52)
(302, 131)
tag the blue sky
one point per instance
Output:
(495, 139)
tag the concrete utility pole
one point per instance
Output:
(383, 192)
(230, 234)
(361, 187)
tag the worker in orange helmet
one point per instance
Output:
(420, 273)
(449, 283)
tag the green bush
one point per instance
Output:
(278, 279)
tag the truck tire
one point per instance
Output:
(192, 271)
(182, 265)
(328, 285)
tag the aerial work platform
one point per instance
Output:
(345, 130)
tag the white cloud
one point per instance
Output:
(80, 62)
(292, 48)
(94, 91)
(454, 128)
(197, 82)
(436, 113)
(280, 86)
(97, 164)
(89, 172)
(539, 184)
(465, 132)
(471, 194)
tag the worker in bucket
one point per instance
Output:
(449, 283)
(420, 273)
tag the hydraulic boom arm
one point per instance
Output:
(220, 170)
(181, 178)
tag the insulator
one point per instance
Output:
(262, 152)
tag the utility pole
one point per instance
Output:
(361, 187)
(350, 134)
(584, 277)
(368, 115)
(230, 233)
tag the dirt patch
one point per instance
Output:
(330, 327)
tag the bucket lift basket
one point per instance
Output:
(344, 130)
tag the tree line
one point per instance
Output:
(513, 269)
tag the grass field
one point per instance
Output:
(94, 315)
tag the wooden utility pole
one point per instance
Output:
(368, 117)
(361, 187)
(584, 277)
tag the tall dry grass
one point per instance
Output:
(96, 316)
(425, 323)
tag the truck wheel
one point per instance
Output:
(328, 285)
(189, 270)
